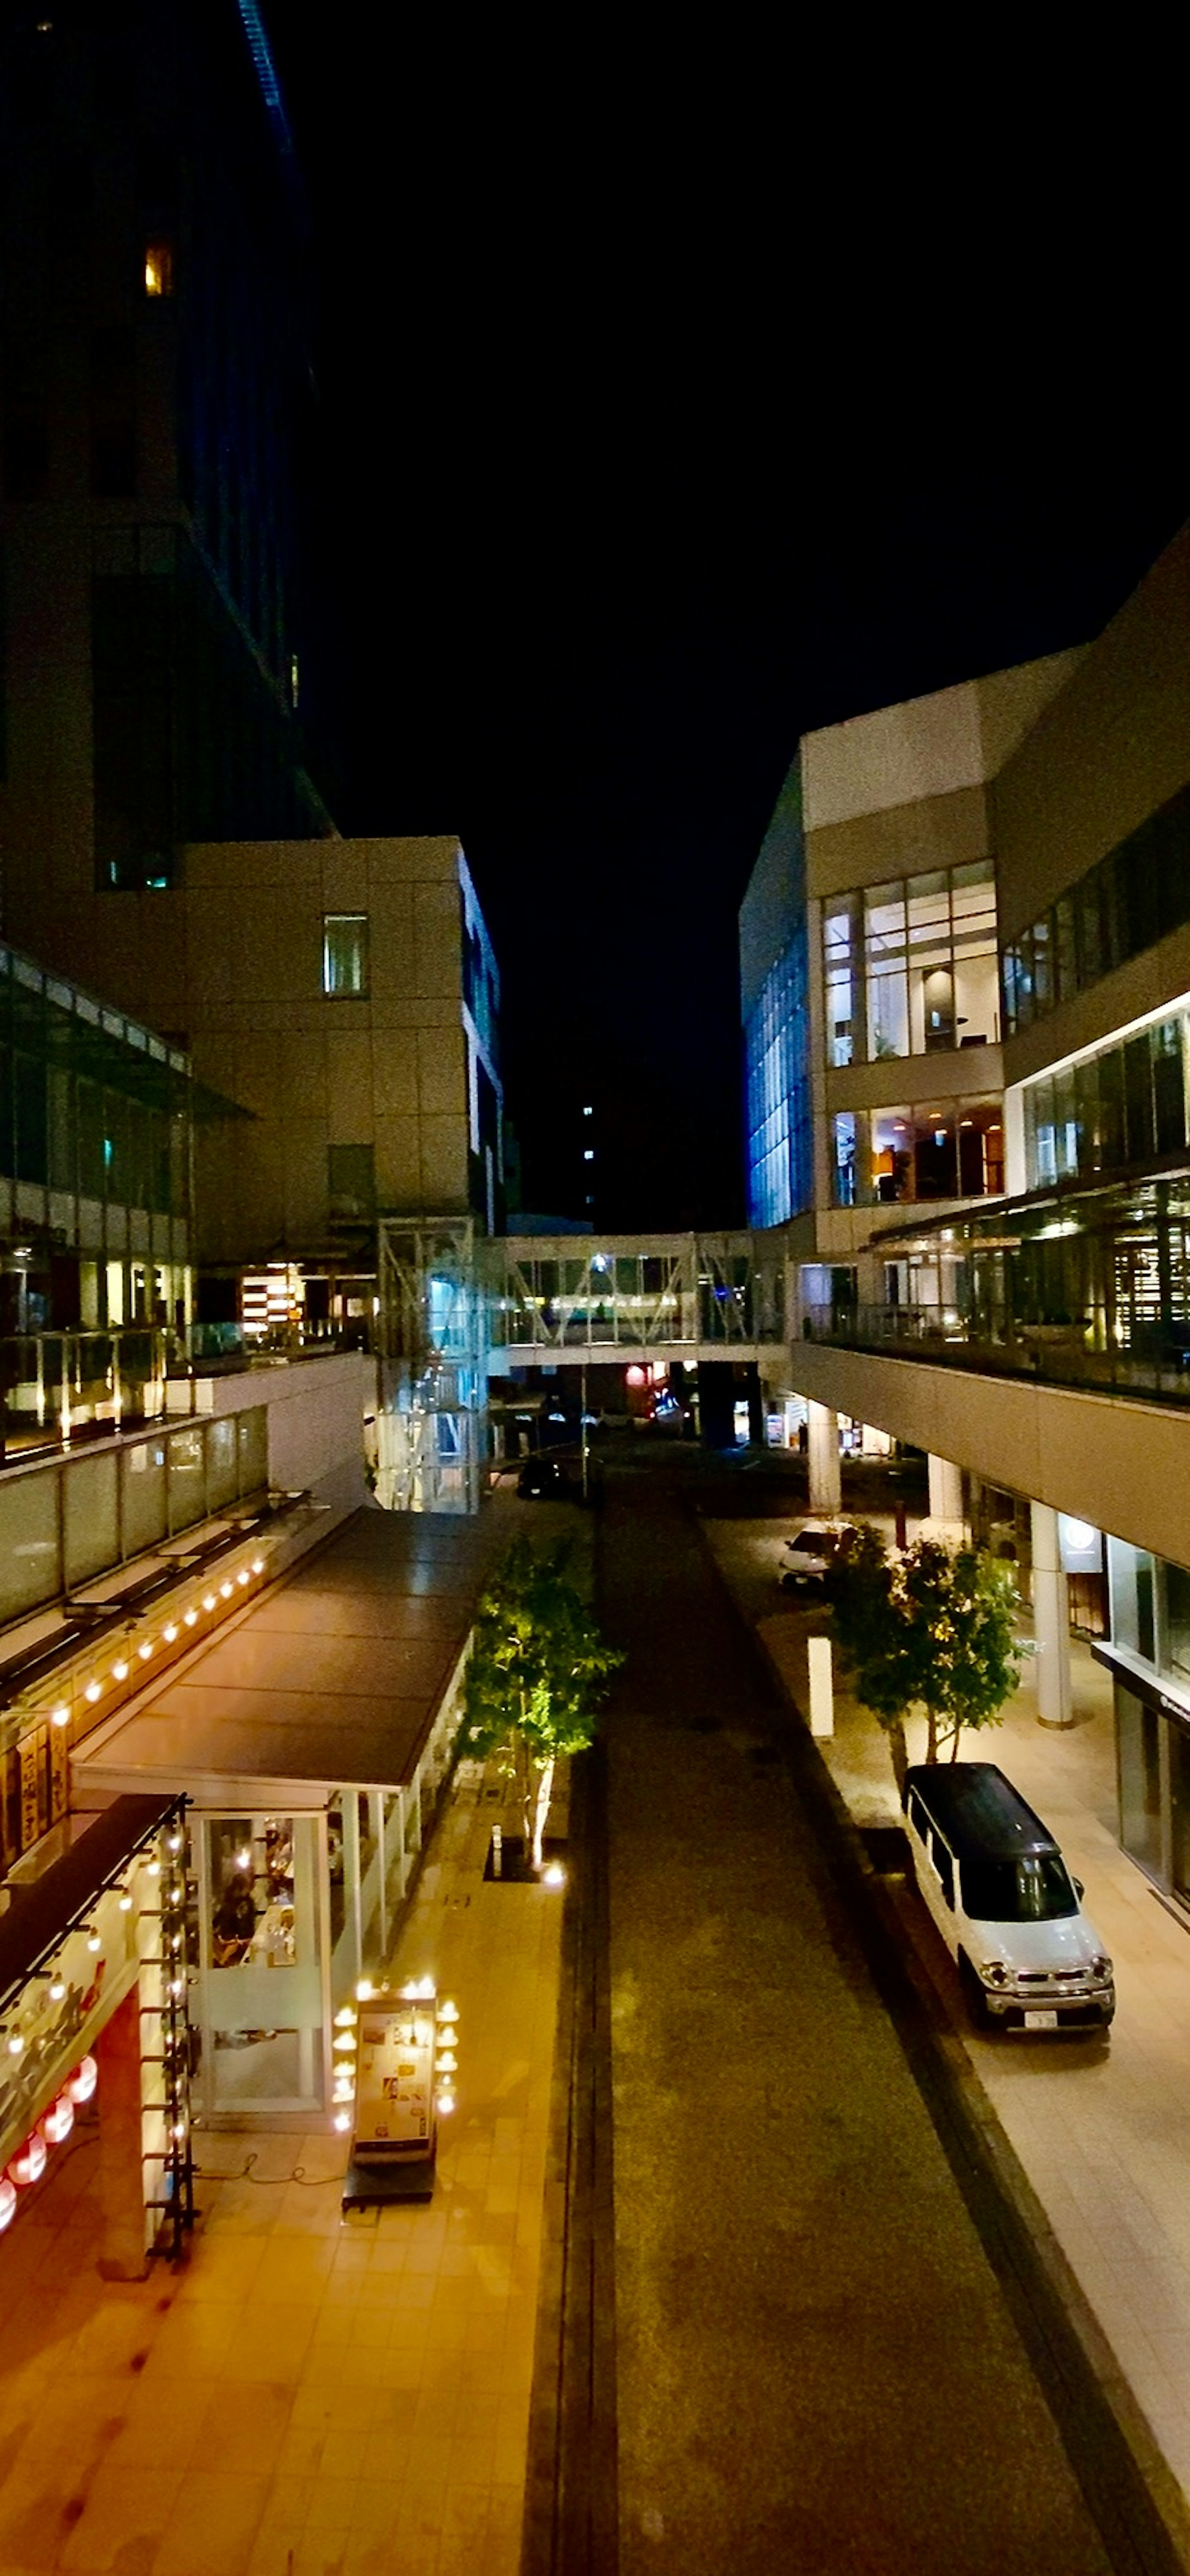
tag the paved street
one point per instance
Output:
(816, 2369)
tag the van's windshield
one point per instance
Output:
(1033, 1890)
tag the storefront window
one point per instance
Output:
(1130, 1571)
(253, 1921)
(1138, 1732)
(1179, 1800)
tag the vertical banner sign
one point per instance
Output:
(394, 2100)
(30, 1801)
(59, 1772)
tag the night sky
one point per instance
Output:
(625, 479)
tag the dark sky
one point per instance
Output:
(633, 468)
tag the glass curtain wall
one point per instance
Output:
(776, 1039)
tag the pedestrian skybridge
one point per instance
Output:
(589, 1299)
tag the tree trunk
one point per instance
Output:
(545, 1791)
(525, 1789)
(900, 1753)
(931, 1736)
(954, 1747)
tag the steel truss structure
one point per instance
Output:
(682, 1295)
(451, 1300)
(433, 1345)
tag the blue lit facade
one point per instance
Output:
(775, 998)
(777, 1063)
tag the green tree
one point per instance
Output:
(537, 1669)
(925, 1629)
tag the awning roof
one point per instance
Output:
(331, 1679)
(40, 1910)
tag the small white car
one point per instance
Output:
(809, 1554)
(1004, 1902)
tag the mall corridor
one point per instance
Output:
(815, 2366)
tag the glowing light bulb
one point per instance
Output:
(120, 1671)
(16, 2044)
(57, 1989)
(145, 1649)
(94, 1939)
(342, 2120)
(92, 1690)
(364, 1991)
(170, 1633)
(242, 1576)
(446, 2103)
(208, 1601)
(448, 2011)
(190, 1616)
(258, 1565)
(125, 1902)
(553, 1875)
(60, 1716)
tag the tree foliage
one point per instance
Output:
(925, 1629)
(537, 1669)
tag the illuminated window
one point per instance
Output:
(159, 268)
(345, 954)
(295, 679)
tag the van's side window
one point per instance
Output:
(944, 1865)
(918, 1818)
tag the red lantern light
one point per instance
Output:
(81, 2085)
(56, 2123)
(8, 2202)
(28, 2165)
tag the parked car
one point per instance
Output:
(810, 1554)
(1004, 1902)
(543, 1479)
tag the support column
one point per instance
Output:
(1051, 1621)
(826, 1486)
(946, 1491)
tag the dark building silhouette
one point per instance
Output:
(156, 394)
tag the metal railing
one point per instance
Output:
(1072, 1353)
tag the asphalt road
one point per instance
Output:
(815, 2366)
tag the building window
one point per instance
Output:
(351, 1182)
(1128, 1104)
(910, 967)
(1134, 896)
(944, 1150)
(345, 954)
(159, 268)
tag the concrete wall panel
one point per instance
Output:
(1121, 1464)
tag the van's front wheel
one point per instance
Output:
(974, 1997)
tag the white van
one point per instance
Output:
(1004, 1901)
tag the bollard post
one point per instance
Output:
(822, 1689)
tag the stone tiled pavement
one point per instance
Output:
(308, 2396)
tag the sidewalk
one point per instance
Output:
(1103, 2132)
(309, 2395)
